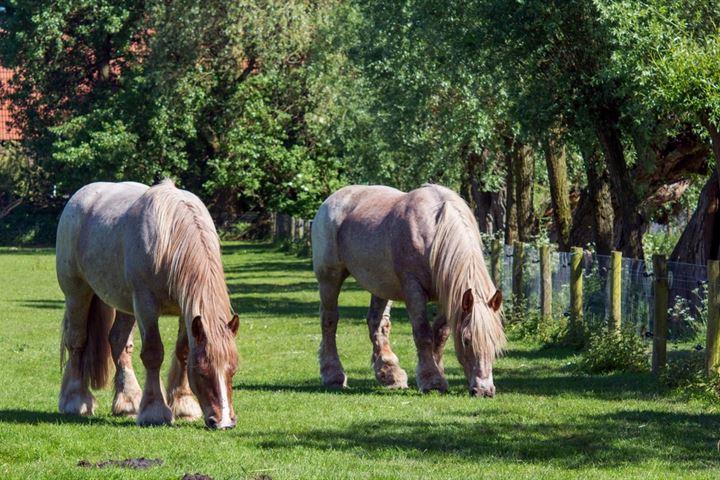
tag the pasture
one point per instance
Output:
(546, 421)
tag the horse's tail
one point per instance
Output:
(96, 359)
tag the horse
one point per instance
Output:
(415, 247)
(128, 252)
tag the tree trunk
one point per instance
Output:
(524, 173)
(700, 240)
(600, 200)
(629, 239)
(511, 230)
(714, 140)
(557, 175)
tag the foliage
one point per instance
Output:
(623, 351)
(215, 96)
(685, 374)
(688, 317)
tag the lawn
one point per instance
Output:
(547, 421)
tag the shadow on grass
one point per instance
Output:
(606, 441)
(355, 387)
(33, 417)
(43, 304)
(26, 251)
(290, 265)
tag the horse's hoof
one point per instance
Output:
(390, 375)
(185, 407)
(126, 404)
(156, 413)
(77, 403)
(429, 382)
(336, 380)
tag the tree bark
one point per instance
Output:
(524, 175)
(511, 229)
(714, 140)
(557, 174)
(629, 239)
(600, 199)
(700, 240)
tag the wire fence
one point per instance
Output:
(687, 286)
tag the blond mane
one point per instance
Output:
(188, 249)
(457, 264)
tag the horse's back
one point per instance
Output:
(89, 240)
(369, 204)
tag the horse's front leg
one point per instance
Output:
(429, 375)
(384, 361)
(180, 396)
(154, 409)
(441, 332)
(127, 390)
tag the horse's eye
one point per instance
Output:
(466, 342)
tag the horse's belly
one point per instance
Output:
(381, 283)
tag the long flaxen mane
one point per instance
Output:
(457, 264)
(187, 247)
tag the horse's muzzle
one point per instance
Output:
(212, 422)
(488, 392)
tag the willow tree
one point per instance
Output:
(673, 48)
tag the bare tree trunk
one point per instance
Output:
(524, 176)
(700, 241)
(557, 175)
(629, 239)
(511, 233)
(714, 140)
(600, 200)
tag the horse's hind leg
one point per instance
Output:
(75, 397)
(127, 390)
(331, 370)
(180, 396)
(384, 361)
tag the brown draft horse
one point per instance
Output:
(126, 252)
(416, 247)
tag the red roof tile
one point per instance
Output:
(7, 132)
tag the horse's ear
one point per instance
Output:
(234, 324)
(467, 301)
(197, 330)
(496, 301)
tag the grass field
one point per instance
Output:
(546, 421)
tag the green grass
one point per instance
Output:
(547, 420)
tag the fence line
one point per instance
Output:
(665, 301)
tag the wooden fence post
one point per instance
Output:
(496, 258)
(712, 347)
(576, 292)
(300, 229)
(293, 230)
(659, 357)
(517, 281)
(615, 292)
(545, 283)
(273, 227)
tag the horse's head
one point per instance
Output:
(479, 337)
(210, 376)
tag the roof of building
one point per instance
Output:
(7, 131)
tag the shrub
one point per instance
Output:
(624, 351)
(685, 373)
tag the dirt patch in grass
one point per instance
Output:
(134, 463)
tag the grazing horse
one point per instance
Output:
(416, 247)
(126, 252)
